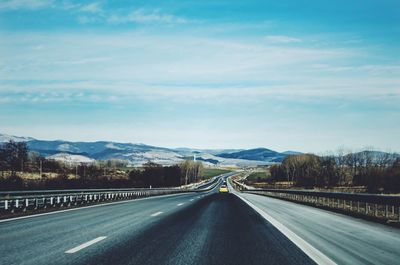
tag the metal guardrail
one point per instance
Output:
(34, 202)
(21, 201)
(384, 207)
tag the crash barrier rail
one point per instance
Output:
(385, 207)
(21, 201)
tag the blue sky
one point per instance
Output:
(307, 75)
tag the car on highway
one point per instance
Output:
(223, 189)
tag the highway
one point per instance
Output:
(195, 228)
(190, 228)
(342, 239)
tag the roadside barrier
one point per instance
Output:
(22, 201)
(384, 207)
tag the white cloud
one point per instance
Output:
(144, 16)
(183, 67)
(281, 39)
(91, 8)
(25, 4)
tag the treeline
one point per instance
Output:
(156, 175)
(15, 157)
(16, 161)
(378, 172)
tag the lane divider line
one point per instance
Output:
(309, 250)
(157, 213)
(85, 245)
(179, 204)
(191, 200)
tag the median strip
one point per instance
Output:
(85, 245)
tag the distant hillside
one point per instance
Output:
(258, 154)
(138, 154)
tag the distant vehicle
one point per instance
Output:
(223, 189)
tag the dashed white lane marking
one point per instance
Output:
(179, 204)
(191, 200)
(198, 197)
(157, 213)
(91, 206)
(85, 245)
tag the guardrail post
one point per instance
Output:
(366, 208)
(6, 204)
(376, 209)
(51, 200)
(386, 211)
(358, 206)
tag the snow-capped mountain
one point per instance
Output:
(7, 138)
(138, 154)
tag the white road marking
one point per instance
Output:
(90, 206)
(85, 245)
(157, 213)
(310, 251)
(191, 200)
(198, 197)
(179, 204)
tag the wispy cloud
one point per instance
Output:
(146, 16)
(25, 4)
(91, 8)
(281, 39)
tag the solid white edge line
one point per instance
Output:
(309, 250)
(90, 206)
(85, 245)
(157, 213)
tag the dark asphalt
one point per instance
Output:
(213, 229)
(219, 229)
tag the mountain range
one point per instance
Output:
(138, 154)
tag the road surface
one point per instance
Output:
(193, 228)
(343, 239)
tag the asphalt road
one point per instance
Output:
(192, 228)
(343, 239)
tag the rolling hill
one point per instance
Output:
(138, 154)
